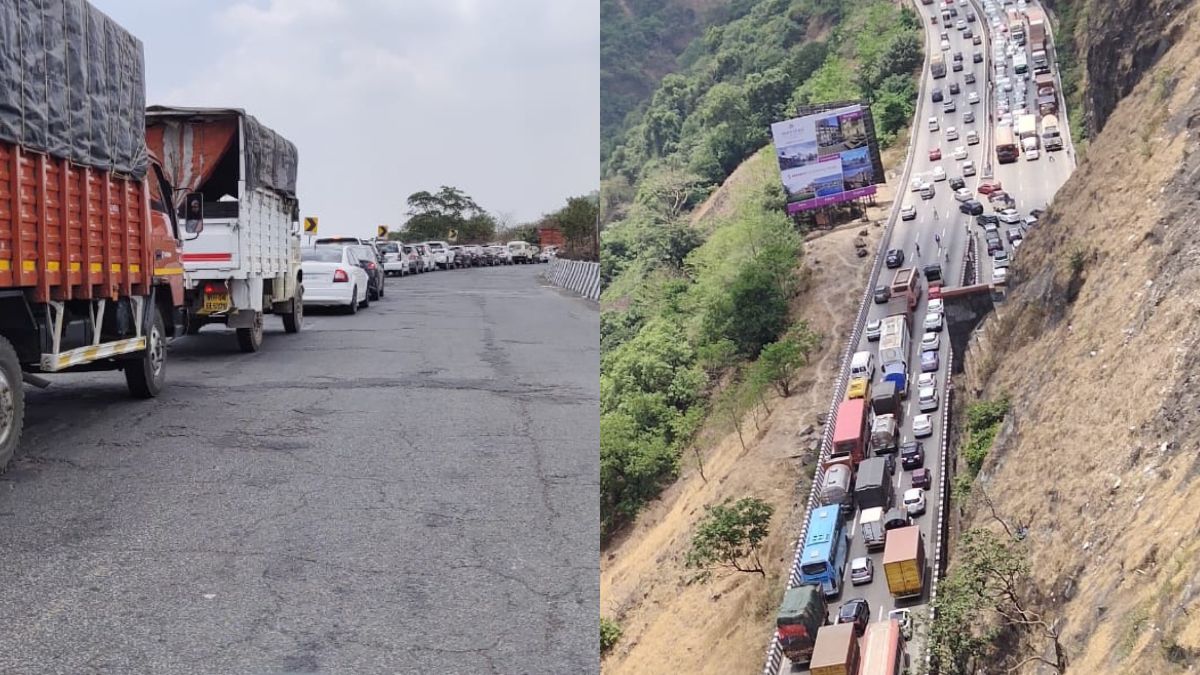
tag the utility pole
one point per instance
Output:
(596, 236)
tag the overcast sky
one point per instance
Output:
(383, 98)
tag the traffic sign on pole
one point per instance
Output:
(381, 232)
(310, 225)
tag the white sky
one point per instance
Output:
(383, 98)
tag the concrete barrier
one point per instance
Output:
(578, 276)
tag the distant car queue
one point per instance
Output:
(351, 272)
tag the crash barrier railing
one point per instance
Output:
(580, 276)
(774, 656)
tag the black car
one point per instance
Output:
(989, 219)
(370, 260)
(487, 256)
(977, 57)
(958, 56)
(971, 207)
(912, 455)
(957, 67)
(882, 294)
(856, 611)
(971, 17)
(957, 182)
(895, 258)
(954, 88)
(969, 78)
(933, 272)
(993, 243)
(937, 95)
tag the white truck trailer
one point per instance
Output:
(241, 248)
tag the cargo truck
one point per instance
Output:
(1037, 29)
(874, 487)
(850, 430)
(1051, 137)
(837, 487)
(886, 399)
(905, 285)
(836, 651)
(90, 273)
(1006, 145)
(241, 244)
(893, 347)
(937, 65)
(884, 433)
(904, 562)
(801, 615)
(870, 523)
(897, 374)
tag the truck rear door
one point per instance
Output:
(215, 249)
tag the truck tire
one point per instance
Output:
(12, 402)
(147, 375)
(293, 321)
(250, 339)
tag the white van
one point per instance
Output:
(933, 124)
(863, 365)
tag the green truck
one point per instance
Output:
(802, 613)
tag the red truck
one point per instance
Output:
(90, 272)
(850, 431)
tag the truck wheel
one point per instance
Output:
(12, 402)
(294, 320)
(147, 375)
(250, 339)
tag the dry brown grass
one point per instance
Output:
(1102, 460)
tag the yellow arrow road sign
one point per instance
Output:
(310, 225)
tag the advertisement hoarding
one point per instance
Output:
(828, 155)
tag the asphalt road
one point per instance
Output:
(409, 490)
(1032, 183)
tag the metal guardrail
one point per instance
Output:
(580, 276)
(774, 655)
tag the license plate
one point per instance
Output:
(215, 303)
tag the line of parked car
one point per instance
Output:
(351, 272)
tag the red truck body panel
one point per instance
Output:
(850, 430)
(71, 232)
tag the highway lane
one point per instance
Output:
(408, 490)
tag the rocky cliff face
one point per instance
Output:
(1117, 42)
(1098, 347)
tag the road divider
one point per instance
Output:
(579, 276)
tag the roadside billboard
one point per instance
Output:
(828, 155)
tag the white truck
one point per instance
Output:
(521, 252)
(1027, 132)
(1051, 136)
(241, 248)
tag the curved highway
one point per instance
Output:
(941, 233)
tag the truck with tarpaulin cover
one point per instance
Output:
(90, 272)
(800, 616)
(241, 239)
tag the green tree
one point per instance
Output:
(633, 467)
(730, 535)
(778, 362)
(752, 313)
(434, 215)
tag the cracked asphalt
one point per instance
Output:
(409, 490)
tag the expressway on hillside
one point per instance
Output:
(941, 234)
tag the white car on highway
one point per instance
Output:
(960, 152)
(963, 194)
(927, 398)
(999, 276)
(922, 425)
(926, 380)
(333, 277)
(936, 305)
(931, 341)
(939, 173)
(972, 97)
(968, 168)
(951, 134)
(914, 501)
(1010, 216)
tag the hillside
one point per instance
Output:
(1096, 348)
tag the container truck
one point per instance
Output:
(937, 65)
(1044, 83)
(882, 649)
(1006, 146)
(836, 651)
(870, 523)
(801, 615)
(90, 273)
(241, 243)
(1037, 29)
(904, 562)
(850, 430)
(904, 285)
(873, 487)
(1051, 137)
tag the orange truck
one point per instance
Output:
(904, 562)
(836, 651)
(90, 271)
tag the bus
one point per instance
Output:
(1006, 146)
(937, 65)
(882, 649)
(825, 549)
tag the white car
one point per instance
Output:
(917, 184)
(504, 257)
(933, 321)
(931, 341)
(862, 571)
(428, 262)
(972, 97)
(925, 380)
(968, 168)
(972, 137)
(945, 46)
(333, 278)
(936, 305)
(909, 212)
(999, 276)
(951, 134)
(933, 124)
(960, 153)
(963, 194)
(874, 330)
(914, 501)
(939, 173)
(922, 425)
(1010, 216)
(395, 263)
(927, 398)
(443, 256)
(1031, 154)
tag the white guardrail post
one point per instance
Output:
(579, 276)
(774, 656)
